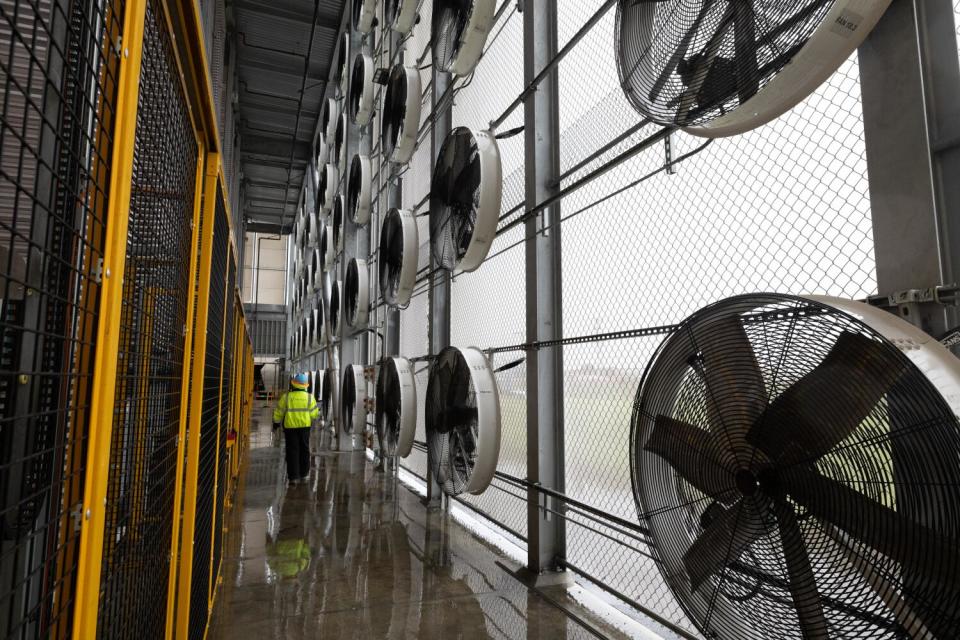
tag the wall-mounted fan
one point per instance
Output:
(364, 15)
(340, 143)
(462, 421)
(719, 68)
(356, 294)
(400, 119)
(327, 187)
(313, 231)
(316, 266)
(323, 154)
(358, 189)
(328, 120)
(465, 199)
(396, 407)
(460, 29)
(332, 308)
(343, 57)
(796, 463)
(327, 252)
(339, 204)
(400, 15)
(353, 400)
(328, 396)
(317, 337)
(397, 257)
(317, 388)
(361, 89)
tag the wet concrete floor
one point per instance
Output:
(354, 554)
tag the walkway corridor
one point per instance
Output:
(356, 555)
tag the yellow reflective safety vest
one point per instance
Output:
(297, 409)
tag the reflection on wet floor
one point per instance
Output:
(354, 554)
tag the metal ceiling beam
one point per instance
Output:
(260, 64)
(297, 11)
(276, 147)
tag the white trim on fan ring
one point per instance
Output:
(408, 405)
(362, 317)
(327, 254)
(488, 204)
(827, 49)
(359, 405)
(333, 109)
(361, 215)
(338, 233)
(406, 16)
(411, 256)
(488, 419)
(474, 38)
(342, 152)
(364, 22)
(365, 108)
(326, 202)
(410, 127)
(345, 70)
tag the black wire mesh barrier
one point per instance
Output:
(209, 428)
(146, 423)
(226, 395)
(59, 71)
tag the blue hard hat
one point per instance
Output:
(301, 380)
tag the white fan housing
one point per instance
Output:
(359, 419)
(364, 12)
(316, 264)
(473, 38)
(408, 404)
(339, 209)
(327, 195)
(359, 318)
(361, 166)
(331, 116)
(410, 127)
(323, 151)
(362, 108)
(411, 253)
(488, 419)
(406, 16)
(342, 146)
(343, 57)
(327, 253)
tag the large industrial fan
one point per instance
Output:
(465, 199)
(364, 15)
(328, 396)
(462, 421)
(339, 204)
(353, 400)
(317, 388)
(331, 308)
(356, 294)
(340, 143)
(721, 67)
(361, 89)
(313, 232)
(400, 15)
(317, 266)
(400, 119)
(396, 407)
(460, 29)
(797, 464)
(397, 257)
(359, 186)
(327, 187)
(323, 153)
(317, 337)
(327, 252)
(328, 120)
(342, 60)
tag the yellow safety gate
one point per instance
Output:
(126, 367)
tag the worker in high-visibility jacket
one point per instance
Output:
(295, 412)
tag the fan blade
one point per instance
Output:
(900, 538)
(803, 584)
(704, 60)
(724, 539)
(826, 406)
(694, 455)
(745, 47)
(681, 51)
(736, 396)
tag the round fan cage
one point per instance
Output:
(396, 407)
(353, 396)
(462, 416)
(317, 388)
(327, 253)
(364, 15)
(328, 120)
(400, 118)
(358, 189)
(313, 235)
(460, 30)
(317, 337)
(401, 15)
(328, 396)
(397, 257)
(361, 89)
(338, 206)
(465, 195)
(339, 143)
(723, 68)
(342, 58)
(327, 187)
(332, 309)
(795, 462)
(356, 294)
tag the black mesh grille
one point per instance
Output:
(209, 426)
(56, 131)
(150, 361)
(225, 419)
(451, 421)
(454, 198)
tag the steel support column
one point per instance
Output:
(545, 532)
(910, 80)
(439, 278)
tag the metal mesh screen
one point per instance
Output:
(226, 421)
(59, 81)
(209, 427)
(140, 509)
